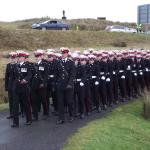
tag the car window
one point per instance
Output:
(53, 22)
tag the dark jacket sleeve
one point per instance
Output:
(6, 77)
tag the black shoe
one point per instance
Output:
(105, 107)
(82, 116)
(70, 119)
(89, 113)
(28, 123)
(60, 122)
(9, 117)
(35, 119)
(14, 126)
(99, 110)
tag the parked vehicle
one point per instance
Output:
(118, 28)
(52, 25)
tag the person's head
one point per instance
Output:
(111, 56)
(104, 57)
(39, 55)
(51, 56)
(119, 56)
(13, 57)
(91, 59)
(27, 57)
(64, 52)
(83, 60)
(21, 55)
(75, 58)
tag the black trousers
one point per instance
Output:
(141, 82)
(109, 86)
(122, 86)
(10, 98)
(65, 96)
(79, 94)
(135, 86)
(38, 98)
(103, 92)
(129, 85)
(51, 92)
(115, 88)
(95, 98)
(23, 96)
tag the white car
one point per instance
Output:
(120, 29)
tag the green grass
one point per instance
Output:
(123, 129)
(3, 107)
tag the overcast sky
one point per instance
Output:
(115, 10)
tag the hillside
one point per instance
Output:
(84, 24)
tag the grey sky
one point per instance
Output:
(115, 10)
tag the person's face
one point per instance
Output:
(83, 62)
(50, 58)
(91, 61)
(13, 59)
(64, 55)
(38, 58)
(76, 62)
(21, 59)
(111, 57)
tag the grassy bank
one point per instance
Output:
(33, 39)
(123, 129)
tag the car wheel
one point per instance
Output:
(43, 28)
(64, 29)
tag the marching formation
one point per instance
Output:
(74, 83)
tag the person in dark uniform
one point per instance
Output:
(78, 94)
(85, 74)
(9, 79)
(115, 80)
(109, 79)
(65, 86)
(22, 75)
(103, 69)
(128, 79)
(51, 79)
(140, 73)
(135, 86)
(39, 86)
(121, 76)
(94, 82)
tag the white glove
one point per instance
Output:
(81, 84)
(129, 68)
(135, 74)
(141, 73)
(103, 78)
(123, 77)
(108, 80)
(96, 83)
(146, 69)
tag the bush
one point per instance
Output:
(119, 43)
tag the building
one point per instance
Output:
(143, 14)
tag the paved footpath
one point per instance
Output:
(41, 135)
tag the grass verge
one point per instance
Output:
(123, 129)
(3, 107)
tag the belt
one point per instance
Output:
(93, 77)
(101, 73)
(78, 80)
(121, 71)
(51, 76)
(133, 71)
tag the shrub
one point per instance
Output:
(119, 43)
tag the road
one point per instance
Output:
(41, 135)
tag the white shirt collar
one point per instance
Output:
(39, 62)
(21, 63)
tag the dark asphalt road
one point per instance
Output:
(41, 135)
